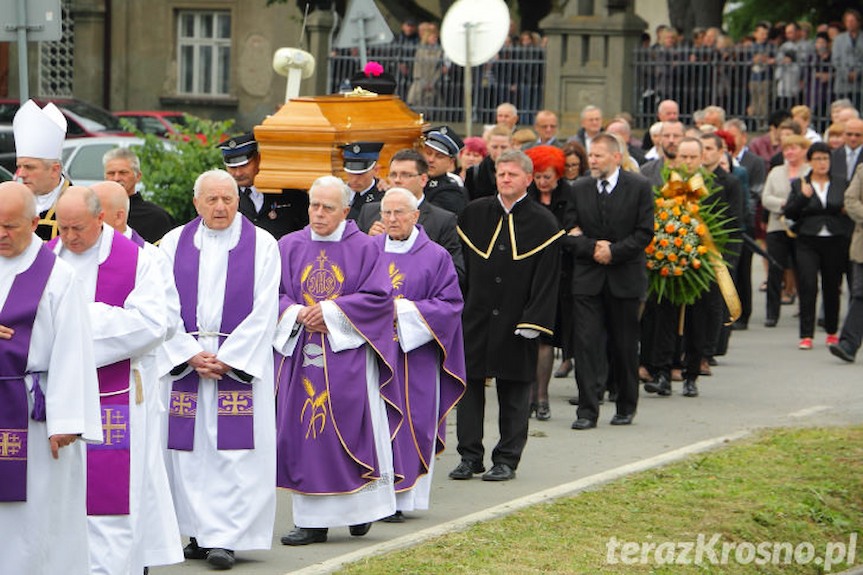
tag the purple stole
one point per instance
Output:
(325, 438)
(19, 313)
(426, 276)
(235, 424)
(108, 464)
(137, 239)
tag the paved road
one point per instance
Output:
(764, 381)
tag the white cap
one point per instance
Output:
(39, 132)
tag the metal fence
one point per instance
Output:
(434, 87)
(693, 77)
(696, 78)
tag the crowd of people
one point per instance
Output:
(317, 341)
(777, 65)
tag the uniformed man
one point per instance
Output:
(441, 148)
(39, 136)
(279, 214)
(361, 174)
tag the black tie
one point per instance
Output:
(247, 206)
(603, 200)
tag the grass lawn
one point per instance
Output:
(782, 501)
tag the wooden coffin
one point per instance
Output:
(301, 142)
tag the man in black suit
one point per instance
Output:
(610, 222)
(280, 213)
(409, 170)
(846, 159)
(361, 174)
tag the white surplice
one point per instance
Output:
(119, 333)
(377, 499)
(47, 534)
(157, 533)
(227, 498)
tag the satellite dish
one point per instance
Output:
(472, 32)
(297, 65)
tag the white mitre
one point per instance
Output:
(39, 132)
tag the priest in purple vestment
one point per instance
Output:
(336, 399)
(430, 369)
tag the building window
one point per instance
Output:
(204, 53)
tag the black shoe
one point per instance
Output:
(221, 558)
(711, 361)
(304, 536)
(770, 322)
(689, 388)
(583, 423)
(360, 529)
(192, 551)
(839, 351)
(533, 407)
(621, 419)
(397, 517)
(661, 386)
(564, 369)
(739, 326)
(573, 400)
(466, 469)
(543, 412)
(499, 472)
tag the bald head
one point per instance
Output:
(115, 203)
(79, 218)
(18, 219)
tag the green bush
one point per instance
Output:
(169, 171)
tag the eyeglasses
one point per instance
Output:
(402, 175)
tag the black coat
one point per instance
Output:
(150, 220)
(509, 285)
(730, 194)
(280, 214)
(372, 195)
(480, 179)
(446, 193)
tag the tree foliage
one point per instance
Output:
(741, 21)
(169, 170)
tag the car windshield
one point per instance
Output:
(178, 120)
(93, 119)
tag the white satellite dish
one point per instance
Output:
(472, 33)
(297, 65)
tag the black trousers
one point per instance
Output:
(743, 281)
(618, 317)
(781, 247)
(513, 397)
(852, 330)
(827, 255)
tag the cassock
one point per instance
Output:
(149, 219)
(47, 533)
(430, 365)
(334, 449)
(125, 291)
(46, 207)
(224, 497)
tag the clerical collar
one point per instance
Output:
(45, 201)
(508, 210)
(402, 246)
(127, 233)
(336, 236)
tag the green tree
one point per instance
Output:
(171, 167)
(741, 21)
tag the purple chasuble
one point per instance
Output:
(426, 276)
(235, 423)
(108, 464)
(19, 313)
(325, 438)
